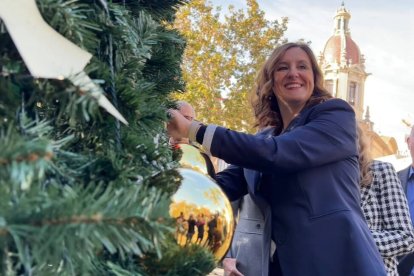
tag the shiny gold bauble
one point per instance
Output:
(200, 204)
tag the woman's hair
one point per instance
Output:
(264, 102)
(364, 159)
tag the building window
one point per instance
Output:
(329, 86)
(352, 93)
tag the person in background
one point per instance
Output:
(200, 228)
(212, 225)
(406, 263)
(180, 228)
(302, 172)
(385, 207)
(191, 229)
(188, 112)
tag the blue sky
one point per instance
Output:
(384, 32)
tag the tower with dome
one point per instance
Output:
(343, 66)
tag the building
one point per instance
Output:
(343, 67)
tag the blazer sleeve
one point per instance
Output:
(396, 236)
(233, 182)
(328, 135)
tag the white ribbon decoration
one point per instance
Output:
(48, 54)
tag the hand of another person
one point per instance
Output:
(174, 142)
(178, 126)
(229, 266)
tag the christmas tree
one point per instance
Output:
(81, 193)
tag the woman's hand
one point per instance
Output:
(178, 125)
(229, 266)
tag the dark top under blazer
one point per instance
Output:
(309, 175)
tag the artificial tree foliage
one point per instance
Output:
(81, 193)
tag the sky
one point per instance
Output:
(384, 32)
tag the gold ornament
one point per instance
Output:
(202, 211)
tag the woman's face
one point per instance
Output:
(293, 78)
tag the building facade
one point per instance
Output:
(343, 66)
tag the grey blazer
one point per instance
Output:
(247, 245)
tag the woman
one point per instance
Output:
(305, 168)
(385, 208)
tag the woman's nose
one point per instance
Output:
(293, 72)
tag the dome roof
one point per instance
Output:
(333, 47)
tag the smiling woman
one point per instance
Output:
(301, 170)
(291, 78)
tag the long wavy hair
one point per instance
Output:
(264, 102)
(365, 158)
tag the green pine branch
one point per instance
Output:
(79, 193)
(56, 223)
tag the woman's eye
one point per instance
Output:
(303, 67)
(282, 68)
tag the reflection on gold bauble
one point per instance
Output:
(200, 203)
(193, 158)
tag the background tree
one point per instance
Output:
(206, 68)
(223, 54)
(81, 194)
